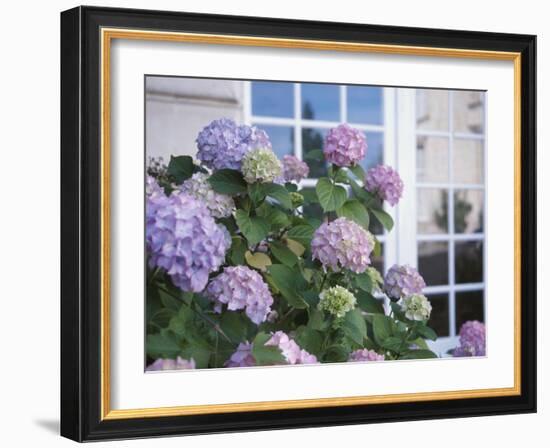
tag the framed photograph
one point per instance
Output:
(276, 224)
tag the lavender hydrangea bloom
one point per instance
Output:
(171, 364)
(291, 351)
(403, 281)
(472, 339)
(239, 287)
(344, 145)
(183, 238)
(294, 169)
(223, 143)
(385, 182)
(343, 244)
(365, 355)
(219, 205)
(242, 356)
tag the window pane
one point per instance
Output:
(468, 211)
(469, 261)
(439, 319)
(273, 99)
(433, 262)
(312, 139)
(321, 102)
(375, 150)
(469, 306)
(282, 139)
(378, 262)
(468, 161)
(365, 105)
(432, 215)
(432, 159)
(468, 112)
(432, 110)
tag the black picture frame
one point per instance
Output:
(81, 224)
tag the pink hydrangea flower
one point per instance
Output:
(343, 244)
(403, 281)
(291, 351)
(344, 145)
(242, 356)
(472, 339)
(364, 355)
(384, 181)
(171, 364)
(294, 169)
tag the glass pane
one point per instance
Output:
(433, 262)
(439, 319)
(468, 112)
(365, 105)
(432, 159)
(312, 139)
(312, 210)
(432, 110)
(469, 306)
(375, 150)
(273, 99)
(321, 102)
(378, 262)
(468, 161)
(469, 261)
(432, 214)
(468, 211)
(282, 139)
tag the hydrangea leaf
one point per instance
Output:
(181, 168)
(363, 281)
(384, 218)
(302, 233)
(354, 326)
(256, 192)
(368, 303)
(254, 228)
(295, 247)
(358, 171)
(394, 344)
(279, 193)
(331, 196)
(163, 345)
(426, 332)
(310, 196)
(228, 181)
(277, 218)
(257, 260)
(355, 211)
(288, 282)
(234, 325)
(266, 355)
(418, 354)
(310, 340)
(283, 253)
(238, 249)
(382, 327)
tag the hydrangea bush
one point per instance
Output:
(239, 276)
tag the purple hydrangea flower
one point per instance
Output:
(344, 145)
(403, 281)
(364, 355)
(291, 351)
(343, 244)
(472, 339)
(183, 238)
(223, 143)
(242, 356)
(219, 205)
(384, 181)
(294, 169)
(239, 287)
(171, 364)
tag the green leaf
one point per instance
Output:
(181, 322)
(368, 303)
(266, 355)
(317, 320)
(354, 326)
(168, 301)
(291, 187)
(181, 168)
(377, 251)
(228, 182)
(302, 233)
(360, 193)
(199, 353)
(331, 196)
(279, 193)
(257, 260)
(418, 354)
(355, 211)
(315, 155)
(363, 281)
(420, 343)
(238, 249)
(162, 317)
(234, 325)
(274, 216)
(254, 228)
(288, 281)
(426, 332)
(256, 192)
(336, 353)
(162, 345)
(310, 196)
(382, 327)
(295, 247)
(384, 219)
(310, 340)
(358, 172)
(393, 343)
(283, 253)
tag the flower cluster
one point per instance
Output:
(219, 205)
(343, 244)
(291, 351)
(242, 356)
(345, 146)
(416, 307)
(240, 288)
(294, 170)
(171, 364)
(362, 355)
(183, 239)
(337, 301)
(403, 281)
(261, 165)
(472, 339)
(385, 182)
(223, 143)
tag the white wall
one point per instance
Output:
(29, 316)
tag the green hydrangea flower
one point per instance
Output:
(297, 199)
(261, 165)
(337, 301)
(375, 278)
(416, 307)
